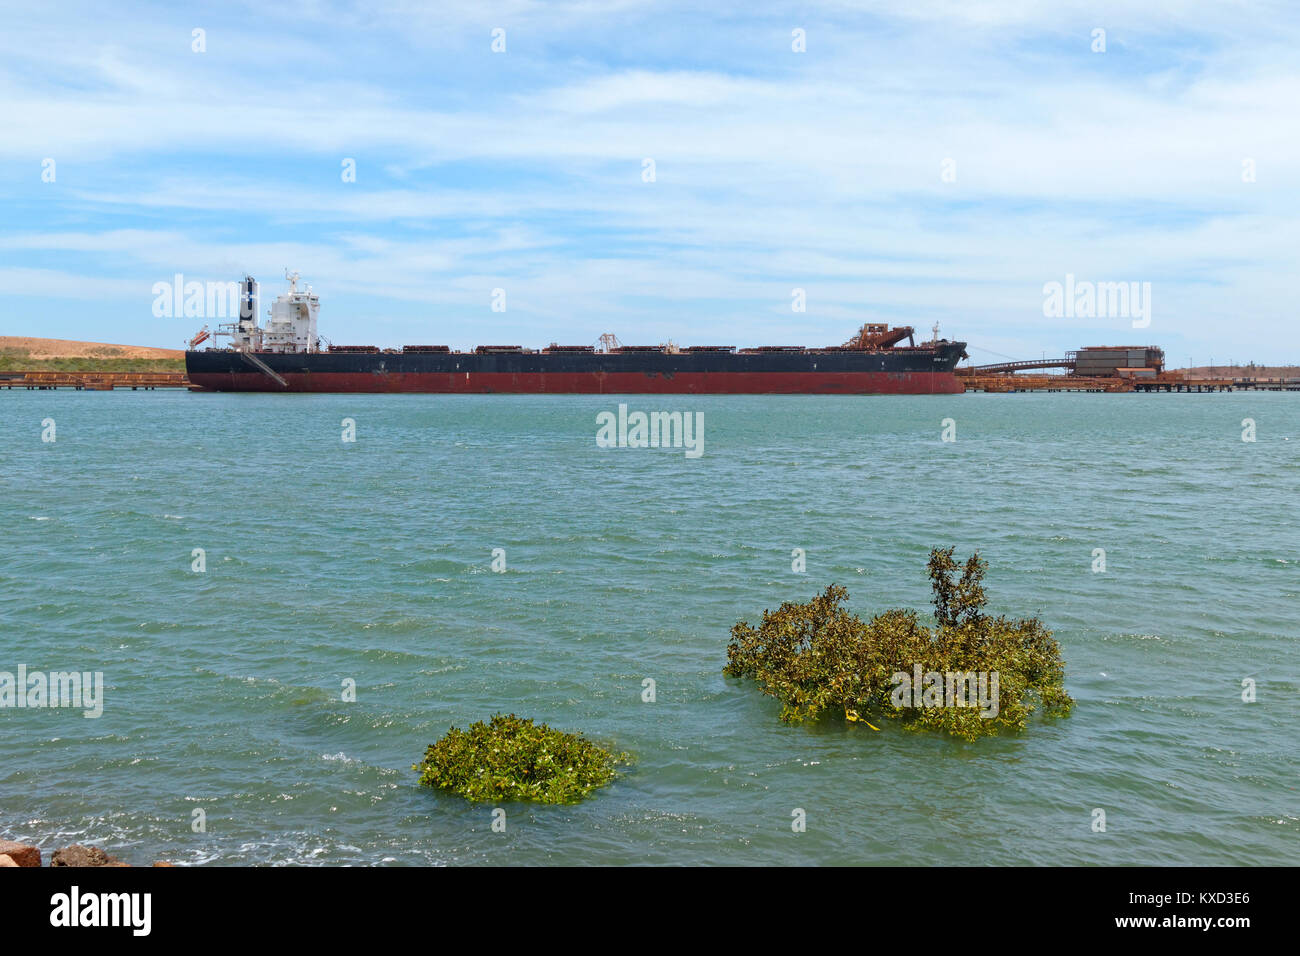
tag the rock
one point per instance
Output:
(21, 853)
(6, 860)
(77, 855)
(164, 863)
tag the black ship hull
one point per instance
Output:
(926, 369)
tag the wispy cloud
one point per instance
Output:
(773, 169)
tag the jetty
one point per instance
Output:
(93, 381)
(1109, 368)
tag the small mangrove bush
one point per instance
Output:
(512, 758)
(969, 675)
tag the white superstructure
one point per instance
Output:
(292, 324)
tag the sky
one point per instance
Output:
(902, 161)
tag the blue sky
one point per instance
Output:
(775, 170)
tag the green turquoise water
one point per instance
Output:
(371, 561)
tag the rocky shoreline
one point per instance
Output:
(13, 853)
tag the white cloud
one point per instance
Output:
(774, 169)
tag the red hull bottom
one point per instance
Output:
(589, 383)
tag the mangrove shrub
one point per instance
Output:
(512, 758)
(969, 675)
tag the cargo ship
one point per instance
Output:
(287, 355)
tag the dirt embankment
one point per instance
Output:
(20, 353)
(65, 348)
(1242, 371)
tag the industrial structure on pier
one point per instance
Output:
(1095, 361)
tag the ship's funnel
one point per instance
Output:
(248, 298)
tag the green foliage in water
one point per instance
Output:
(512, 758)
(819, 660)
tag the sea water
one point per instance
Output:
(284, 619)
